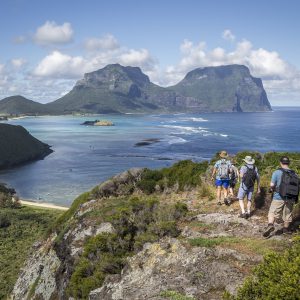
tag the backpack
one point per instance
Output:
(223, 170)
(249, 177)
(289, 185)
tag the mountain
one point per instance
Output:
(126, 89)
(119, 89)
(18, 146)
(17, 105)
(116, 89)
(225, 88)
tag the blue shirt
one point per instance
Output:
(276, 179)
(217, 165)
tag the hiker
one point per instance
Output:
(285, 188)
(221, 171)
(248, 175)
(233, 179)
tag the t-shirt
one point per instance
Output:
(276, 179)
(243, 170)
(218, 164)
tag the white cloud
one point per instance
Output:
(50, 34)
(62, 69)
(107, 42)
(59, 65)
(140, 58)
(228, 35)
(18, 62)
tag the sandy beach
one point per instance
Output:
(43, 205)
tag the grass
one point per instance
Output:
(27, 225)
(248, 246)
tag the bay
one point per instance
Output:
(86, 155)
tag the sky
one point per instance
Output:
(46, 46)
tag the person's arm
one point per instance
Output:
(213, 173)
(273, 182)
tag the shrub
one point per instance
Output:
(184, 174)
(276, 278)
(136, 221)
(4, 220)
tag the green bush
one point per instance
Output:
(4, 220)
(277, 278)
(185, 174)
(136, 221)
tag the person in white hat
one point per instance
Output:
(248, 174)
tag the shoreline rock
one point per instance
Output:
(98, 123)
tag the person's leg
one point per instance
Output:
(274, 213)
(249, 203)
(287, 213)
(225, 185)
(241, 195)
(219, 186)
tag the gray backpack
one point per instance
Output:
(223, 170)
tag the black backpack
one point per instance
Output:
(249, 177)
(289, 185)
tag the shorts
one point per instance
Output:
(242, 193)
(222, 182)
(232, 184)
(280, 206)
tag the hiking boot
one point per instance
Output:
(242, 215)
(247, 215)
(268, 230)
(219, 203)
(286, 230)
(227, 201)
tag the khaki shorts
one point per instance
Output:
(280, 206)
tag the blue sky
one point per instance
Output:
(46, 46)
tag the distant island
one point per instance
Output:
(98, 123)
(119, 89)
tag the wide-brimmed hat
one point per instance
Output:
(249, 160)
(223, 154)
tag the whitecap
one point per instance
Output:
(177, 140)
(195, 119)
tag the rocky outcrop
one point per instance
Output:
(18, 146)
(98, 123)
(200, 273)
(37, 278)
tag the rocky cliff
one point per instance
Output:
(150, 235)
(126, 89)
(225, 88)
(18, 146)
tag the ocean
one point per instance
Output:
(84, 156)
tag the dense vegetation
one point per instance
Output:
(182, 175)
(144, 216)
(277, 278)
(18, 146)
(136, 221)
(19, 229)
